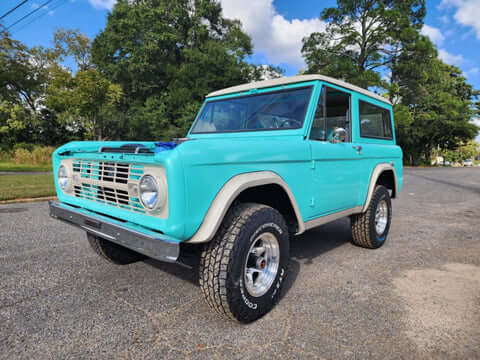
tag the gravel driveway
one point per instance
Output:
(416, 297)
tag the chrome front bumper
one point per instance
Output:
(144, 241)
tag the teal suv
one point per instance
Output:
(262, 162)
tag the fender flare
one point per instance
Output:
(379, 169)
(229, 192)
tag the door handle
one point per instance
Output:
(358, 148)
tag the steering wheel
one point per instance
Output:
(290, 123)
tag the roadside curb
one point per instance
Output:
(15, 201)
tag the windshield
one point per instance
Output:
(283, 109)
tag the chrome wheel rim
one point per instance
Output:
(261, 265)
(381, 217)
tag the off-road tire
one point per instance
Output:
(112, 252)
(364, 233)
(223, 262)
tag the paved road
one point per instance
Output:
(416, 297)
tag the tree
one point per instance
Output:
(167, 55)
(14, 124)
(435, 113)
(75, 44)
(24, 72)
(465, 151)
(24, 76)
(82, 100)
(361, 38)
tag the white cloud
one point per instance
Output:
(103, 4)
(472, 71)
(273, 35)
(433, 33)
(466, 12)
(450, 58)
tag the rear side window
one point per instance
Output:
(375, 121)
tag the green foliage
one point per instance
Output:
(167, 55)
(439, 107)
(39, 155)
(433, 102)
(75, 44)
(463, 152)
(362, 37)
(81, 100)
(146, 74)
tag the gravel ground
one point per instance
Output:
(416, 297)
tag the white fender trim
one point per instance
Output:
(379, 169)
(229, 192)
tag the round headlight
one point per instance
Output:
(149, 192)
(63, 177)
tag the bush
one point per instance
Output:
(40, 155)
(6, 156)
(22, 156)
(23, 145)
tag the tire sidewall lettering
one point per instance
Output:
(259, 303)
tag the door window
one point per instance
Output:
(333, 111)
(375, 121)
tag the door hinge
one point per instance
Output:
(312, 202)
(313, 164)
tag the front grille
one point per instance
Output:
(107, 183)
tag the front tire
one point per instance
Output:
(242, 269)
(112, 252)
(370, 229)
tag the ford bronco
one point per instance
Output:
(261, 163)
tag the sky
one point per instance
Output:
(276, 27)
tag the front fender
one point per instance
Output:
(229, 192)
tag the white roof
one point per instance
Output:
(293, 80)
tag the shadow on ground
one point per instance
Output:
(304, 249)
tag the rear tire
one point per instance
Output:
(370, 229)
(112, 252)
(242, 269)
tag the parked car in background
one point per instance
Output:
(261, 163)
(468, 162)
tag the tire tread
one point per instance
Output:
(361, 230)
(215, 258)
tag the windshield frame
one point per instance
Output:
(253, 93)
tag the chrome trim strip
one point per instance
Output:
(159, 247)
(332, 217)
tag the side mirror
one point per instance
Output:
(339, 135)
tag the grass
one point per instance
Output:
(11, 166)
(26, 186)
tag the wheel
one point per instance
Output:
(112, 252)
(370, 229)
(242, 269)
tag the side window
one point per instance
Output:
(375, 121)
(333, 111)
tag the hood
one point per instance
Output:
(118, 147)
